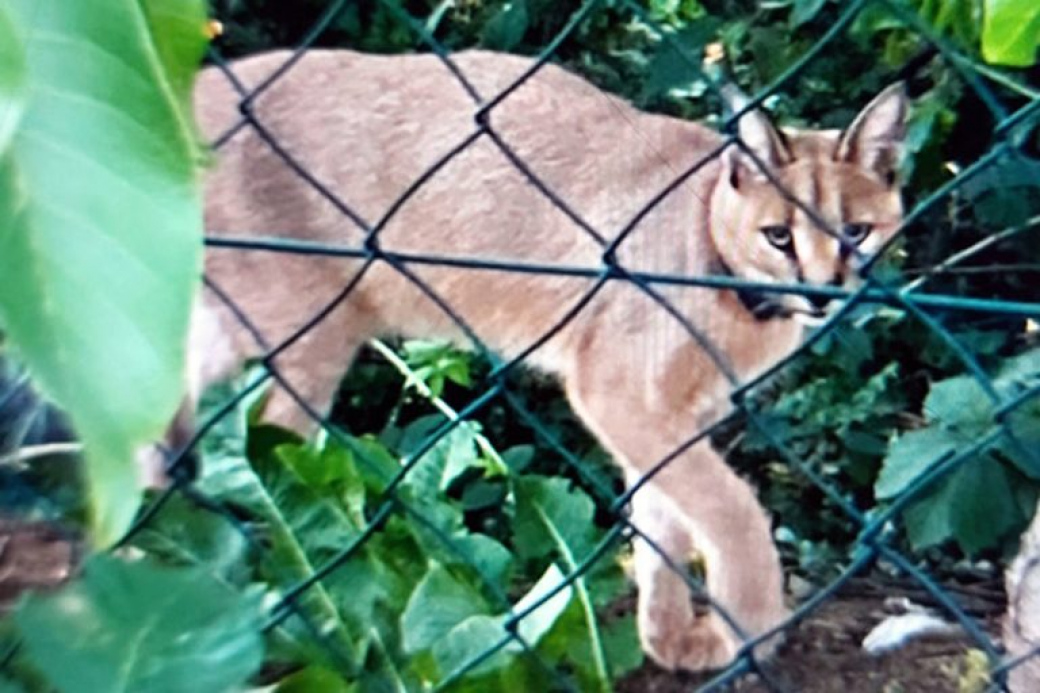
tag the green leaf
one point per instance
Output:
(805, 11)
(101, 245)
(135, 627)
(960, 403)
(675, 65)
(551, 516)
(1010, 32)
(182, 535)
(1022, 370)
(304, 526)
(621, 640)
(434, 361)
(974, 505)
(483, 494)
(12, 79)
(328, 468)
(547, 606)
(439, 603)
(1017, 375)
(1003, 194)
(864, 442)
(451, 619)
(315, 678)
(518, 457)
(910, 456)
(450, 456)
(506, 30)
(375, 462)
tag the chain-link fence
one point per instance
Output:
(516, 626)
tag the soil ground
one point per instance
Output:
(824, 655)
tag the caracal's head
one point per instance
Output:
(847, 180)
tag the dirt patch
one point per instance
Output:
(824, 654)
(33, 556)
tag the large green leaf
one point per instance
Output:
(974, 505)
(805, 10)
(959, 404)
(135, 627)
(450, 456)
(910, 456)
(181, 535)
(424, 490)
(305, 526)
(1010, 32)
(451, 619)
(1017, 375)
(100, 247)
(553, 517)
(439, 603)
(506, 29)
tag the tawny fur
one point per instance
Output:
(367, 127)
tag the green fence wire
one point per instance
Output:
(877, 539)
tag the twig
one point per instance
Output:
(31, 452)
(412, 379)
(970, 251)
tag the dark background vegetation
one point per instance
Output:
(857, 411)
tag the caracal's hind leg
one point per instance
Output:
(307, 374)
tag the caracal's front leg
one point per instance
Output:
(722, 524)
(695, 501)
(670, 630)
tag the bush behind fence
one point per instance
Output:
(453, 528)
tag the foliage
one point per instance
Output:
(427, 591)
(1011, 32)
(991, 492)
(125, 627)
(866, 416)
(100, 246)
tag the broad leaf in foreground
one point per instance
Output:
(100, 244)
(135, 627)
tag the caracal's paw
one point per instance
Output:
(693, 644)
(697, 644)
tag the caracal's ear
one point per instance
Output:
(874, 140)
(758, 133)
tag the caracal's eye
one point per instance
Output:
(778, 235)
(857, 233)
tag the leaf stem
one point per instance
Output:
(598, 653)
(413, 380)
